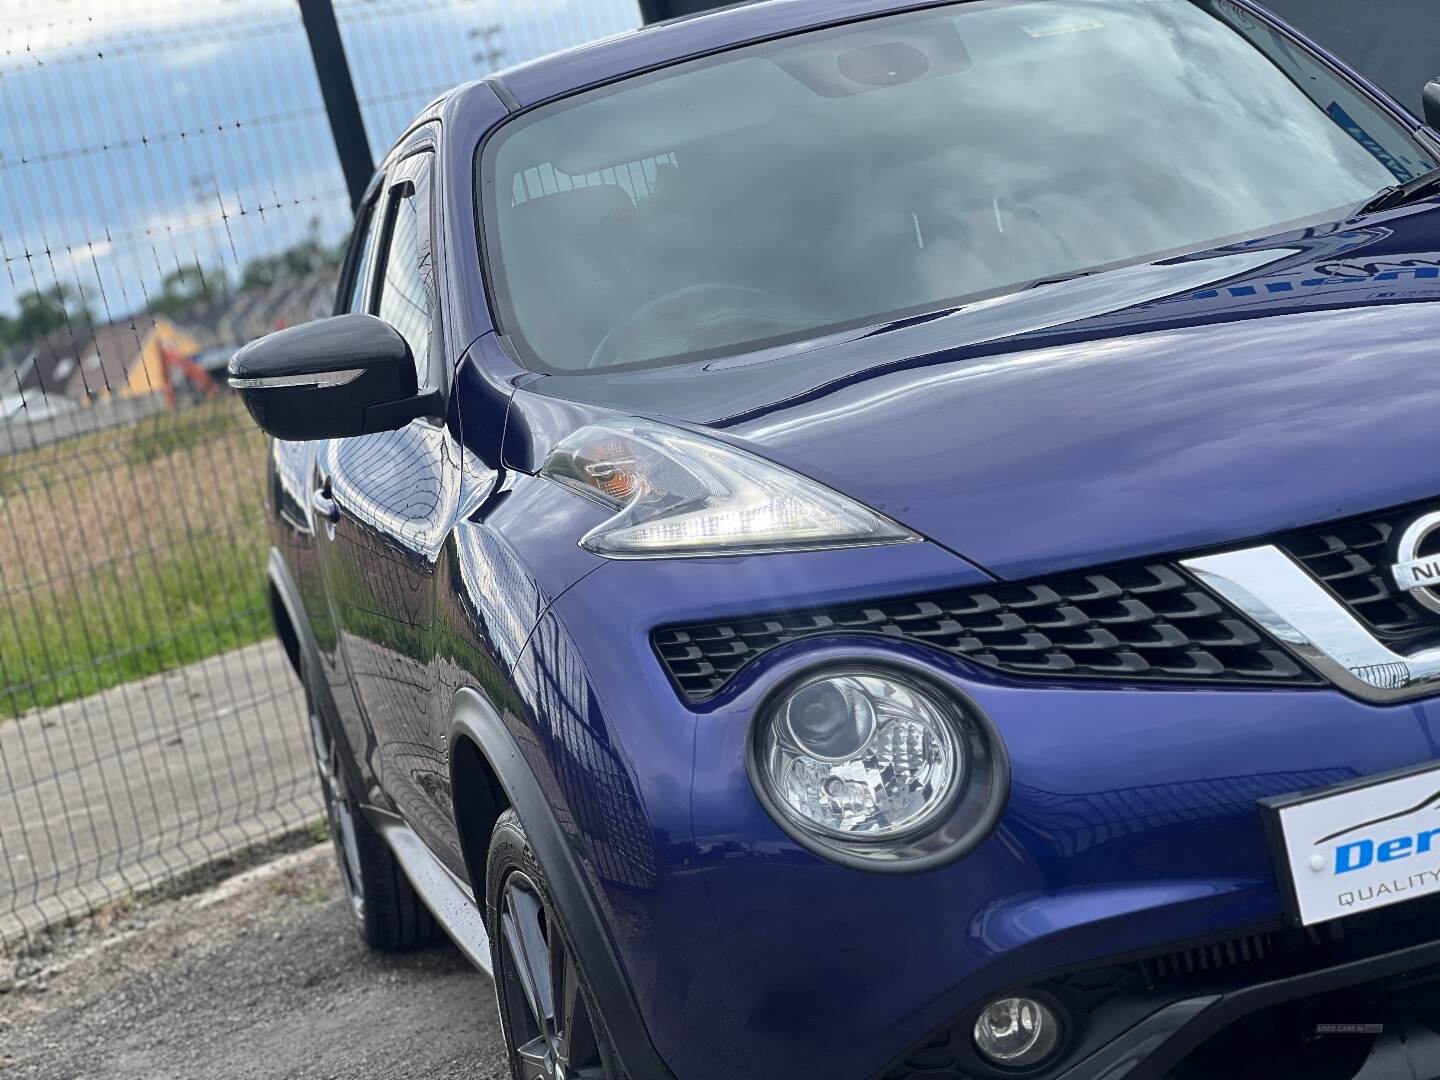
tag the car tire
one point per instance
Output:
(386, 910)
(536, 971)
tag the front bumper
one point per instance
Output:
(1359, 998)
(1131, 830)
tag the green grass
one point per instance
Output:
(10, 481)
(155, 438)
(128, 553)
(115, 627)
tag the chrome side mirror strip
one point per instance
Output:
(321, 380)
(1276, 592)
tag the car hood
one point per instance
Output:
(1152, 409)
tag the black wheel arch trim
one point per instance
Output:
(472, 717)
(278, 574)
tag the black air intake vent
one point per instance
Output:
(1145, 621)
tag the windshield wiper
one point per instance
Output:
(1425, 184)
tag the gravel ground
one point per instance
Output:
(262, 976)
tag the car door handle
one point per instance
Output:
(324, 504)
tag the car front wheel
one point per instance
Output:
(552, 1029)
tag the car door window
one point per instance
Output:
(407, 282)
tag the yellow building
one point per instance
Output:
(124, 359)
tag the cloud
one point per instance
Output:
(84, 257)
(46, 32)
(50, 30)
(116, 153)
(190, 55)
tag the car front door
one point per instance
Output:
(391, 498)
(297, 493)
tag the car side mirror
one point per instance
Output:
(329, 379)
(1430, 98)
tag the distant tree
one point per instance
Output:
(307, 257)
(187, 287)
(38, 312)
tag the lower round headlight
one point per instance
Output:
(861, 755)
(1017, 1032)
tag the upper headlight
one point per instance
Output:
(680, 494)
(861, 755)
(871, 761)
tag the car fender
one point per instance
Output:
(473, 717)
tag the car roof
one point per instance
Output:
(665, 43)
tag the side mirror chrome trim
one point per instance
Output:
(1278, 594)
(321, 381)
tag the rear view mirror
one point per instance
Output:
(329, 379)
(1431, 100)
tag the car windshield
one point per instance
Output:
(857, 175)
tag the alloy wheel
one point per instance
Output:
(550, 1021)
(339, 814)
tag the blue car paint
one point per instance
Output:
(1195, 418)
(1131, 822)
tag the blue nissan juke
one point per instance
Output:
(860, 539)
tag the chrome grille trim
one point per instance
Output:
(1274, 591)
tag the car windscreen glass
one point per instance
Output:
(860, 174)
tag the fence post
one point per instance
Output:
(656, 10)
(341, 106)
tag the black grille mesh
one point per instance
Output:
(1353, 560)
(1142, 621)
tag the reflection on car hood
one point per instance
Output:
(1150, 409)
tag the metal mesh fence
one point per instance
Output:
(169, 188)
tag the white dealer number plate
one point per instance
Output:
(1358, 846)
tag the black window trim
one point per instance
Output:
(399, 184)
(364, 219)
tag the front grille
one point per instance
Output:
(1352, 559)
(1141, 621)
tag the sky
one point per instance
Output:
(138, 137)
(142, 136)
